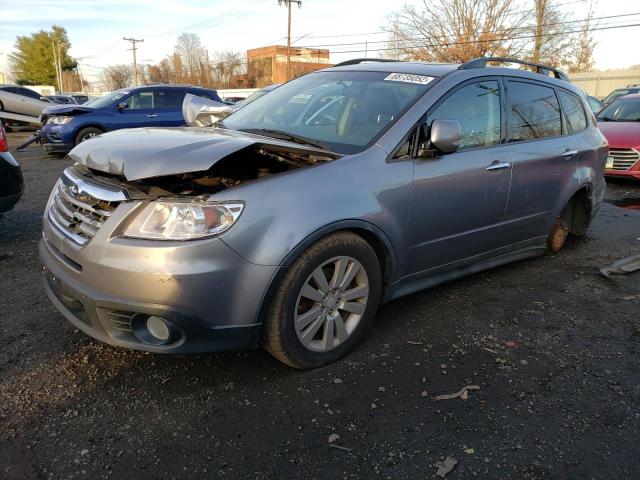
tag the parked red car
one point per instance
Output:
(620, 123)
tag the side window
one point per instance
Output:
(535, 112)
(140, 101)
(573, 112)
(27, 92)
(477, 108)
(170, 99)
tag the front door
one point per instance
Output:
(139, 110)
(459, 199)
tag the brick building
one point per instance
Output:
(268, 65)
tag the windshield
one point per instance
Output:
(624, 110)
(343, 111)
(107, 99)
(617, 93)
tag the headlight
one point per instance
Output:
(59, 120)
(177, 220)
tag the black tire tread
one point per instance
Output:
(273, 339)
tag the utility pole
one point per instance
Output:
(287, 3)
(60, 67)
(55, 64)
(78, 73)
(134, 48)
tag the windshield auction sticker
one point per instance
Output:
(409, 78)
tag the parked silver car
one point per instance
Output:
(21, 100)
(309, 207)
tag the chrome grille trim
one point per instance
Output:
(80, 206)
(624, 158)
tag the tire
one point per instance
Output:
(330, 324)
(85, 134)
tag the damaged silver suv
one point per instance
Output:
(292, 221)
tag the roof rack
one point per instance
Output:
(539, 68)
(357, 61)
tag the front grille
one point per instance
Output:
(79, 206)
(624, 158)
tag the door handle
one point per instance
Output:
(152, 115)
(570, 153)
(498, 166)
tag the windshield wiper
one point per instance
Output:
(281, 135)
(606, 119)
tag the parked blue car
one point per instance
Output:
(65, 126)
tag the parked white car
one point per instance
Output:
(20, 100)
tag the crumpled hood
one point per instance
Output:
(153, 152)
(66, 110)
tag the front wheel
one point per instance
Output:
(86, 134)
(326, 302)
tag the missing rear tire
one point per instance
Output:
(558, 236)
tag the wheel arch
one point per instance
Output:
(372, 234)
(577, 211)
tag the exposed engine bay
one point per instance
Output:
(248, 164)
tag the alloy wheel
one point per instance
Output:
(331, 303)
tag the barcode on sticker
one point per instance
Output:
(408, 77)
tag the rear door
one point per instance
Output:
(168, 107)
(544, 158)
(459, 199)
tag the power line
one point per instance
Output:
(493, 40)
(528, 27)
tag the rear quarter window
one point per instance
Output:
(534, 111)
(573, 112)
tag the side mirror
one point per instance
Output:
(445, 135)
(122, 106)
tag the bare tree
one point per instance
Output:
(456, 30)
(226, 66)
(561, 40)
(191, 53)
(116, 76)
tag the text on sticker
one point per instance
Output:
(407, 77)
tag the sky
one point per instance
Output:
(96, 27)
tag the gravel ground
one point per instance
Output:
(553, 345)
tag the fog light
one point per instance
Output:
(158, 328)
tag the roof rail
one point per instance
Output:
(539, 68)
(356, 61)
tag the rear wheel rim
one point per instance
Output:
(331, 303)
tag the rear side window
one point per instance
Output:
(573, 112)
(476, 107)
(27, 93)
(169, 99)
(534, 113)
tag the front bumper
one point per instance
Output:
(209, 296)
(55, 138)
(632, 173)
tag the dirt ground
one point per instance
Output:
(553, 345)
